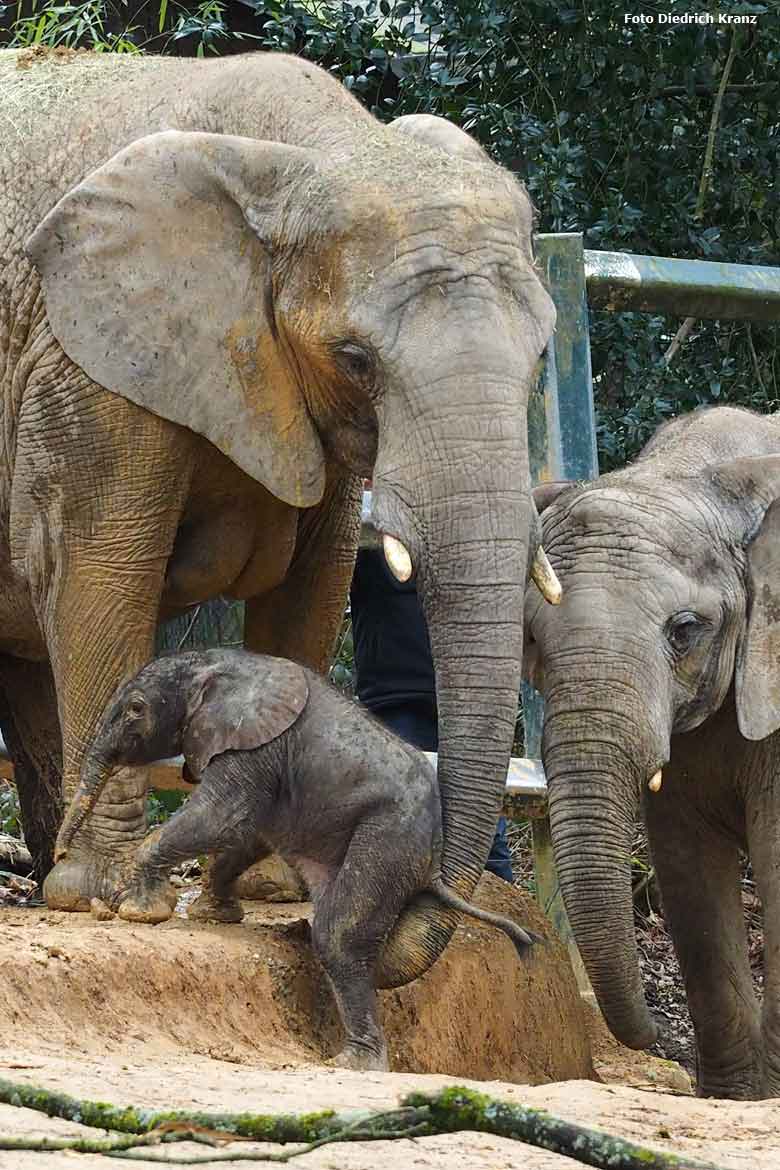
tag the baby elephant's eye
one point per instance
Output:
(136, 707)
(683, 630)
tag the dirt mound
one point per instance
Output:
(254, 994)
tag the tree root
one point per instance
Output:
(420, 1114)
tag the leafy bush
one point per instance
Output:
(10, 815)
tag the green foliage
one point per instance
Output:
(606, 122)
(10, 815)
(342, 671)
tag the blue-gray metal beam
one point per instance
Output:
(562, 260)
(567, 448)
(622, 281)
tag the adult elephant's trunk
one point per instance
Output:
(467, 522)
(593, 785)
(94, 775)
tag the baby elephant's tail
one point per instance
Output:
(523, 939)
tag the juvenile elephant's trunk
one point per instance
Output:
(94, 775)
(593, 794)
(469, 542)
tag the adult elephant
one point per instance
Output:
(661, 679)
(226, 293)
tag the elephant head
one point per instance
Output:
(375, 309)
(671, 598)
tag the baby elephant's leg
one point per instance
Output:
(353, 915)
(219, 902)
(195, 829)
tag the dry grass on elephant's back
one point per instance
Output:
(38, 82)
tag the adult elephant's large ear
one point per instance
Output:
(755, 484)
(157, 276)
(238, 706)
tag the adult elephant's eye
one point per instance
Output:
(357, 363)
(683, 630)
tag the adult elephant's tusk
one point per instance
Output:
(544, 578)
(397, 558)
(654, 783)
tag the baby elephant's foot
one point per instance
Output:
(207, 908)
(148, 905)
(362, 1059)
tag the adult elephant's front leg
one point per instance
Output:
(28, 717)
(301, 620)
(763, 830)
(696, 857)
(100, 550)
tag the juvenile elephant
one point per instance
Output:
(226, 293)
(284, 762)
(661, 680)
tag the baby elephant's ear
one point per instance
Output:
(237, 706)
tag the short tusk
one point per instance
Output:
(543, 577)
(654, 783)
(397, 558)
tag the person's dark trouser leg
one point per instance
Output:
(499, 860)
(416, 723)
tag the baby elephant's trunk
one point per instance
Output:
(94, 775)
(522, 939)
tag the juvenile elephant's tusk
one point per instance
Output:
(654, 783)
(544, 578)
(397, 558)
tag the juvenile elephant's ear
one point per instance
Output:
(240, 706)
(755, 483)
(157, 278)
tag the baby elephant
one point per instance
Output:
(283, 763)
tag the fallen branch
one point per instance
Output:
(457, 1109)
(281, 1128)
(450, 1111)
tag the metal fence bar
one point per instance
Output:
(562, 260)
(622, 281)
(525, 783)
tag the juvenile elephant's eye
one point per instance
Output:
(356, 362)
(136, 707)
(683, 630)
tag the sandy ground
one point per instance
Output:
(233, 1018)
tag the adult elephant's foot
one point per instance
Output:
(271, 880)
(207, 908)
(75, 881)
(362, 1059)
(152, 906)
(101, 855)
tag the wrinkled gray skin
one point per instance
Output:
(665, 653)
(226, 293)
(283, 762)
